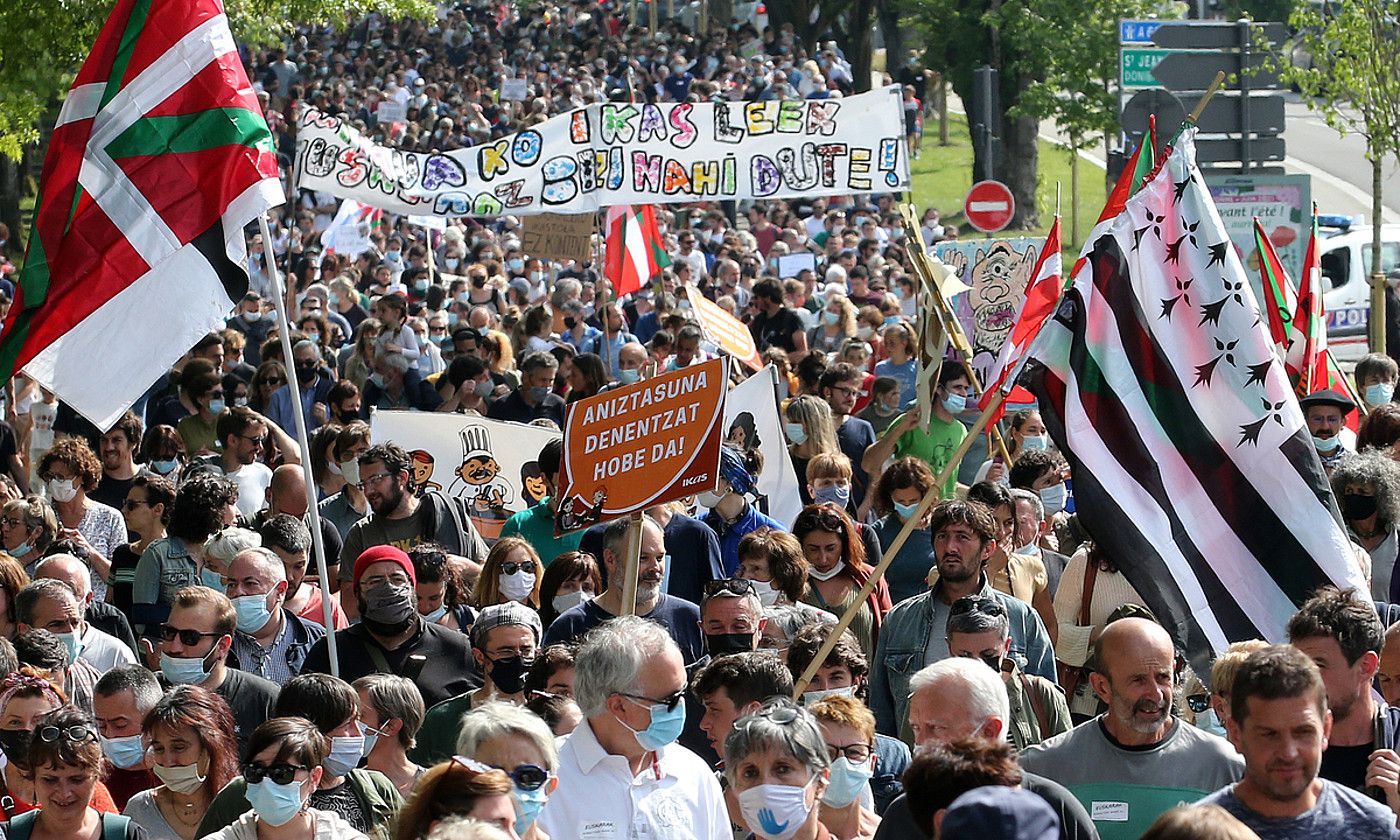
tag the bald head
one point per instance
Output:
(1135, 678)
(287, 492)
(632, 356)
(1132, 638)
(70, 570)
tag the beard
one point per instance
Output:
(1132, 716)
(389, 502)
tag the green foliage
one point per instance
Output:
(1261, 10)
(47, 41)
(1352, 78)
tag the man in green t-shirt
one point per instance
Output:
(535, 524)
(936, 446)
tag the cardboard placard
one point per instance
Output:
(630, 448)
(391, 111)
(731, 334)
(558, 236)
(515, 90)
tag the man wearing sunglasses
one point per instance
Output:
(194, 643)
(621, 772)
(243, 434)
(505, 638)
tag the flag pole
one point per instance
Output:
(601, 267)
(910, 524)
(634, 561)
(274, 278)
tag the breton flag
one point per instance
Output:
(634, 250)
(1192, 465)
(1042, 295)
(159, 159)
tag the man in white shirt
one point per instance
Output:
(621, 774)
(102, 651)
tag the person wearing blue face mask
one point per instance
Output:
(933, 445)
(848, 728)
(622, 762)
(120, 703)
(391, 713)
(366, 799)
(518, 742)
(897, 495)
(280, 777)
(271, 641)
(50, 605)
(1028, 434)
(1376, 375)
(1326, 412)
(535, 398)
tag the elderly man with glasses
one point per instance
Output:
(621, 772)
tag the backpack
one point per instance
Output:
(113, 826)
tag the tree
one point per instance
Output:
(1353, 81)
(850, 22)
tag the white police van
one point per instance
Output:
(1345, 246)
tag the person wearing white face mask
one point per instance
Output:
(1028, 433)
(571, 579)
(192, 750)
(271, 641)
(772, 561)
(70, 471)
(777, 762)
(1325, 412)
(391, 712)
(511, 573)
(848, 728)
(365, 799)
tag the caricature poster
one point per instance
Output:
(490, 463)
(997, 272)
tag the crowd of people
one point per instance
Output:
(185, 658)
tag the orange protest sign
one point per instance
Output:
(633, 447)
(731, 334)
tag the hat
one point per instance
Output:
(1002, 812)
(1327, 396)
(509, 614)
(383, 554)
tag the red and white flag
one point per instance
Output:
(159, 158)
(1042, 295)
(634, 250)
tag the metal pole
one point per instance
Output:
(1245, 35)
(317, 544)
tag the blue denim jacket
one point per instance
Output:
(904, 637)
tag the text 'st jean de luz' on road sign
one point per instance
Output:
(633, 447)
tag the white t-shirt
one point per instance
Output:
(252, 481)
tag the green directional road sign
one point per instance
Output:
(1135, 70)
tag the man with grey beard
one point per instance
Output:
(680, 617)
(1134, 762)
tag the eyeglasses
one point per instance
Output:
(280, 773)
(977, 603)
(77, 734)
(133, 504)
(512, 567)
(733, 586)
(398, 579)
(779, 713)
(1198, 702)
(11, 522)
(670, 701)
(854, 753)
(188, 637)
(256, 441)
(368, 480)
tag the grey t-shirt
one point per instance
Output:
(937, 648)
(1340, 814)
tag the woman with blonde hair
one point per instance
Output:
(27, 526)
(811, 431)
(512, 572)
(837, 323)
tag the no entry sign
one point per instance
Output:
(989, 206)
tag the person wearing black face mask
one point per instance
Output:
(505, 638)
(314, 384)
(1367, 487)
(391, 638)
(978, 628)
(731, 617)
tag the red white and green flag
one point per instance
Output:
(159, 159)
(1042, 296)
(1307, 352)
(1140, 165)
(634, 250)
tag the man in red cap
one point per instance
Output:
(391, 638)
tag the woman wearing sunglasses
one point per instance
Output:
(283, 770)
(65, 758)
(191, 748)
(511, 573)
(461, 787)
(364, 799)
(25, 698)
(520, 743)
(776, 762)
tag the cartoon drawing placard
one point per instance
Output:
(633, 447)
(997, 271)
(752, 421)
(490, 463)
(612, 153)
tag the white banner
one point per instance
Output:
(619, 153)
(751, 421)
(491, 463)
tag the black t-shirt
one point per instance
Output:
(776, 330)
(513, 407)
(1347, 765)
(121, 578)
(447, 669)
(252, 699)
(112, 491)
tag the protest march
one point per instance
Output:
(524, 423)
